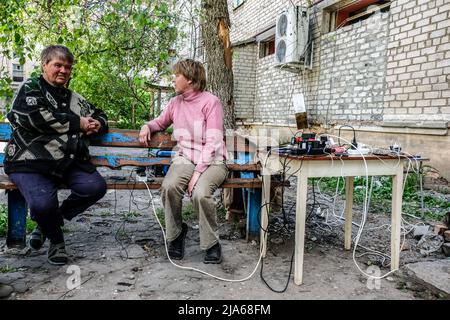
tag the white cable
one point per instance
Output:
(363, 221)
(191, 268)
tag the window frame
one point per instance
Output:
(344, 13)
(237, 3)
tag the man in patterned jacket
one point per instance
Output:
(49, 145)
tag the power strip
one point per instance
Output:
(359, 151)
(141, 178)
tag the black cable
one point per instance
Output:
(288, 278)
(285, 225)
(286, 220)
(353, 144)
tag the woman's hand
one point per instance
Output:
(193, 182)
(145, 135)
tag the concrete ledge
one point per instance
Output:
(422, 125)
(429, 128)
(434, 275)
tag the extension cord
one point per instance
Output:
(141, 178)
(360, 151)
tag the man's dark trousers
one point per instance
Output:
(41, 194)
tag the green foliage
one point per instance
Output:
(119, 47)
(161, 216)
(435, 205)
(30, 224)
(187, 213)
(7, 269)
(3, 220)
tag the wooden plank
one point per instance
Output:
(119, 160)
(5, 131)
(348, 213)
(113, 138)
(129, 183)
(130, 138)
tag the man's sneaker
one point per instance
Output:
(213, 255)
(37, 238)
(57, 254)
(176, 247)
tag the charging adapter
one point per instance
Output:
(141, 178)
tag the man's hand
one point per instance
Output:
(89, 125)
(193, 182)
(94, 126)
(145, 135)
(85, 124)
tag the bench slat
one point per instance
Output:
(118, 161)
(130, 138)
(130, 184)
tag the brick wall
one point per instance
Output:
(274, 88)
(387, 75)
(352, 70)
(254, 16)
(418, 69)
(244, 65)
(394, 66)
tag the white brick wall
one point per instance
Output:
(393, 66)
(244, 66)
(427, 43)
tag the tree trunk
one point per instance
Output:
(215, 26)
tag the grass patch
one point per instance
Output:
(105, 214)
(132, 214)
(30, 224)
(3, 219)
(435, 205)
(187, 213)
(161, 216)
(7, 269)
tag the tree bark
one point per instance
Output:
(215, 27)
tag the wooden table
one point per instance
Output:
(305, 167)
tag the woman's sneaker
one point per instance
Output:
(57, 254)
(37, 238)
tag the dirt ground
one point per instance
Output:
(118, 247)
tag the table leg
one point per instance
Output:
(300, 220)
(348, 212)
(397, 193)
(265, 213)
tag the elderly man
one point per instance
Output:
(49, 145)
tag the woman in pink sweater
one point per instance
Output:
(199, 166)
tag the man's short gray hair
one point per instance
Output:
(55, 52)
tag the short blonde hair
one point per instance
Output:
(192, 70)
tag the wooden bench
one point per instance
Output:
(112, 150)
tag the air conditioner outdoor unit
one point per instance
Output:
(291, 36)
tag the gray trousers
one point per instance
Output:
(175, 185)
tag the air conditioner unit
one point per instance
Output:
(291, 36)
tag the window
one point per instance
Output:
(348, 12)
(266, 41)
(237, 3)
(266, 48)
(17, 72)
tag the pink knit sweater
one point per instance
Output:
(197, 119)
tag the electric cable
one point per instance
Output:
(192, 268)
